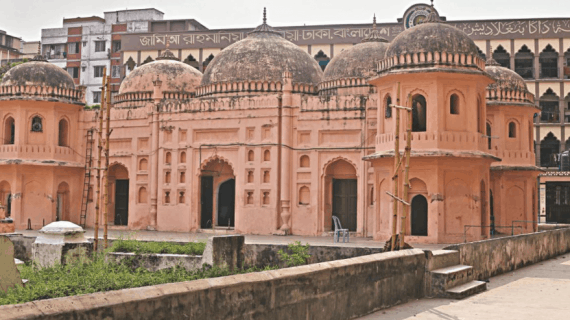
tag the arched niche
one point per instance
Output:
(419, 113)
(9, 131)
(304, 196)
(62, 209)
(63, 133)
(142, 195)
(304, 161)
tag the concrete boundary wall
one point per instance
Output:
(493, 257)
(340, 289)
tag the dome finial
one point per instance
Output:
(374, 35)
(39, 57)
(264, 15)
(167, 54)
(490, 61)
(264, 27)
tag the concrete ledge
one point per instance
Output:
(340, 289)
(155, 262)
(497, 256)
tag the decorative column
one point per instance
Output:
(154, 154)
(285, 137)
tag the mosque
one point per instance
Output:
(265, 142)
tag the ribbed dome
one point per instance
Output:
(505, 78)
(175, 76)
(355, 61)
(263, 56)
(38, 73)
(432, 37)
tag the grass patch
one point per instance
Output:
(96, 276)
(191, 248)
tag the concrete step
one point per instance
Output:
(445, 278)
(467, 289)
(443, 258)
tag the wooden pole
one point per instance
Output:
(395, 180)
(100, 149)
(406, 206)
(107, 135)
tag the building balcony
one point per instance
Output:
(37, 154)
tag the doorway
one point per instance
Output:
(121, 202)
(226, 203)
(419, 216)
(207, 201)
(344, 202)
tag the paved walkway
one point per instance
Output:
(540, 291)
(253, 239)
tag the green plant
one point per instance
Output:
(127, 245)
(84, 277)
(297, 254)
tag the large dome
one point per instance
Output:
(263, 56)
(358, 60)
(432, 37)
(38, 73)
(175, 76)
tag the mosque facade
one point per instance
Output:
(265, 142)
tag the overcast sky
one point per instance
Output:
(26, 19)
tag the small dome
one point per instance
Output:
(357, 60)
(263, 56)
(175, 76)
(38, 72)
(505, 78)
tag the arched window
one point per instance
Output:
(304, 195)
(266, 155)
(191, 61)
(524, 63)
(142, 195)
(502, 57)
(548, 61)
(143, 164)
(549, 103)
(37, 124)
(130, 64)
(182, 177)
(489, 135)
(322, 59)
(419, 113)
(168, 158)
(147, 60)
(387, 108)
(512, 129)
(167, 177)
(9, 131)
(454, 104)
(207, 61)
(182, 158)
(250, 155)
(304, 161)
(63, 136)
(549, 149)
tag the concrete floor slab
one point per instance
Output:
(540, 291)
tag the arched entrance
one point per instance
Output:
(341, 193)
(217, 194)
(62, 203)
(6, 198)
(419, 216)
(119, 189)
(226, 203)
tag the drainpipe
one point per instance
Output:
(154, 156)
(284, 154)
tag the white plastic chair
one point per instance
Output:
(338, 230)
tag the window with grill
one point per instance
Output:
(73, 47)
(524, 63)
(502, 57)
(73, 72)
(98, 71)
(99, 46)
(97, 97)
(116, 46)
(548, 63)
(116, 71)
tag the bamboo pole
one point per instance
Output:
(107, 134)
(395, 180)
(100, 149)
(406, 206)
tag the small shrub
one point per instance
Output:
(138, 247)
(299, 254)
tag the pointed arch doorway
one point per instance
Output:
(217, 195)
(341, 194)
